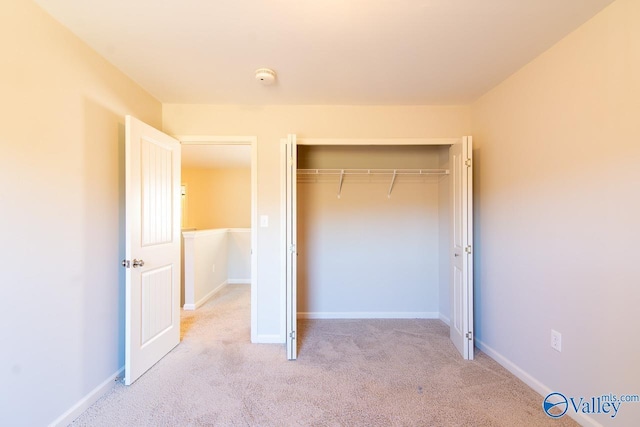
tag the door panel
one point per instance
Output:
(156, 302)
(461, 287)
(157, 215)
(152, 241)
(457, 298)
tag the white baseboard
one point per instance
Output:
(205, 298)
(84, 403)
(239, 281)
(268, 339)
(444, 318)
(532, 382)
(370, 315)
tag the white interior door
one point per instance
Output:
(290, 246)
(152, 228)
(461, 281)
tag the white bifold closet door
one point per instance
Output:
(461, 278)
(291, 224)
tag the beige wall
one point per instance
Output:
(557, 196)
(62, 108)
(217, 198)
(270, 124)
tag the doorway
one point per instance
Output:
(219, 202)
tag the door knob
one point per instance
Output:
(137, 263)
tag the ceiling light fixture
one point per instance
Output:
(265, 76)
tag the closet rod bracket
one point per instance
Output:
(393, 180)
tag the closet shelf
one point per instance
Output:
(364, 172)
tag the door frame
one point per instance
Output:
(253, 142)
(362, 142)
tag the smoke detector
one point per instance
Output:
(265, 76)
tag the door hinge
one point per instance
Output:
(292, 248)
(468, 163)
(467, 249)
(126, 263)
(292, 335)
(469, 335)
(290, 161)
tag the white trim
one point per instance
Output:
(444, 318)
(88, 400)
(531, 381)
(241, 140)
(378, 141)
(283, 237)
(268, 339)
(192, 234)
(239, 230)
(238, 281)
(205, 298)
(254, 238)
(370, 315)
(214, 140)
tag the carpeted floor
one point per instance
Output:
(348, 373)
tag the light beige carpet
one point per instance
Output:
(349, 373)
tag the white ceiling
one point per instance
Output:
(324, 51)
(216, 156)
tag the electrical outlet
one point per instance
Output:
(556, 340)
(213, 268)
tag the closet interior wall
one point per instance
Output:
(366, 254)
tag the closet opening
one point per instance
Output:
(375, 234)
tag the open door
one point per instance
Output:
(290, 245)
(461, 285)
(152, 239)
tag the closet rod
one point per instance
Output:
(393, 172)
(343, 172)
